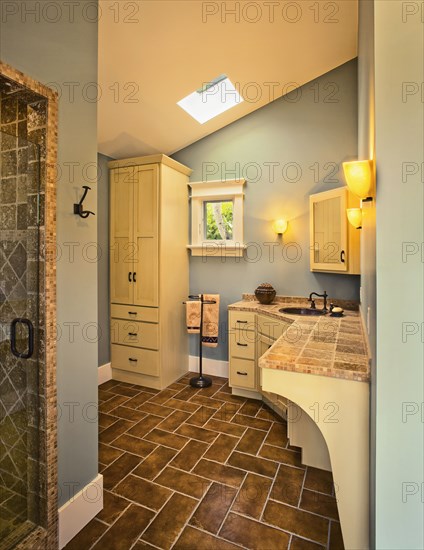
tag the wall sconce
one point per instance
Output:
(359, 176)
(354, 215)
(279, 226)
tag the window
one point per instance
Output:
(213, 99)
(217, 218)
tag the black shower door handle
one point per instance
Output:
(30, 328)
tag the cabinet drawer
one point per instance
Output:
(133, 333)
(143, 361)
(135, 313)
(242, 373)
(242, 344)
(245, 320)
(272, 328)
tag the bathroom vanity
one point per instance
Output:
(313, 371)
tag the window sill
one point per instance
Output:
(217, 249)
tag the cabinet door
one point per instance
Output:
(122, 246)
(263, 345)
(145, 212)
(328, 246)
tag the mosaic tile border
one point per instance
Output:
(47, 538)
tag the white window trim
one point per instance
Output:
(202, 191)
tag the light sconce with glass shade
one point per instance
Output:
(279, 226)
(354, 215)
(359, 178)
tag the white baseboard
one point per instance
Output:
(79, 510)
(210, 366)
(104, 373)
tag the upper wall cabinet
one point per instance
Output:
(334, 243)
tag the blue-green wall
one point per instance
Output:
(274, 148)
(60, 49)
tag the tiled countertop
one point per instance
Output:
(321, 345)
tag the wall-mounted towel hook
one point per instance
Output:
(79, 208)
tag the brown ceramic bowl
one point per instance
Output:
(265, 294)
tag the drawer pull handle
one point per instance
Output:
(134, 277)
(244, 345)
(238, 321)
(242, 373)
(133, 360)
(129, 277)
(132, 334)
(132, 313)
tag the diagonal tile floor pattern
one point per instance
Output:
(194, 469)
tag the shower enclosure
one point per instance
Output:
(19, 337)
(28, 498)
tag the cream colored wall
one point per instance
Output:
(346, 433)
(399, 124)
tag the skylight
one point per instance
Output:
(211, 100)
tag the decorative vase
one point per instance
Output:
(265, 293)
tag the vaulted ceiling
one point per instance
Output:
(152, 53)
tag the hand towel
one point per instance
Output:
(210, 321)
(193, 316)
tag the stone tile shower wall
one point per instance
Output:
(23, 120)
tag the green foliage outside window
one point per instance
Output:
(219, 220)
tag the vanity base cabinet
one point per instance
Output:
(250, 336)
(269, 330)
(148, 270)
(242, 345)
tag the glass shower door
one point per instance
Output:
(19, 331)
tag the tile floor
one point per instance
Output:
(201, 469)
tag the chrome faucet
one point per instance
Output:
(325, 296)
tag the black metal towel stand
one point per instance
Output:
(200, 381)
